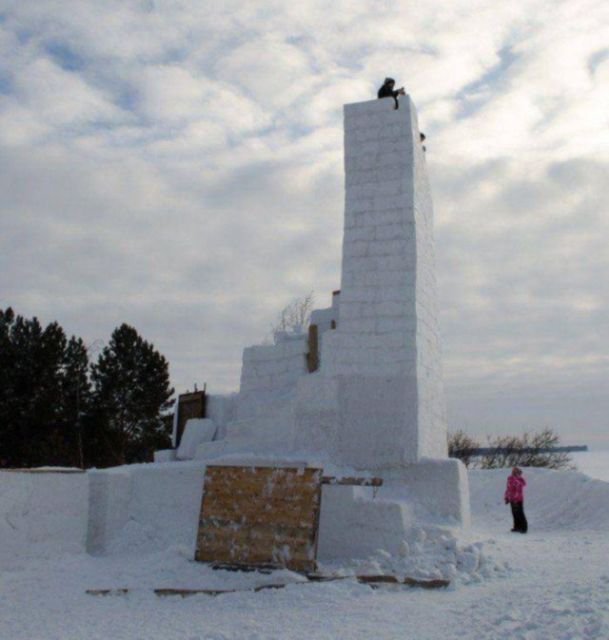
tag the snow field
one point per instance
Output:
(552, 583)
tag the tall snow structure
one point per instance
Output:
(375, 404)
(382, 364)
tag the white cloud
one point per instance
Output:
(272, 72)
(178, 165)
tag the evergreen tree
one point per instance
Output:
(30, 388)
(49, 414)
(131, 391)
(75, 399)
(7, 391)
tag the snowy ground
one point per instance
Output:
(552, 584)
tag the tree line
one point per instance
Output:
(528, 450)
(59, 408)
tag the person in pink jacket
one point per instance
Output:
(514, 495)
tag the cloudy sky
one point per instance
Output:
(177, 165)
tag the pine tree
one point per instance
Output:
(7, 391)
(75, 399)
(131, 390)
(30, 411)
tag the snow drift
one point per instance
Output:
(554, 500)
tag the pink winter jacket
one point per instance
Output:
(515, 488)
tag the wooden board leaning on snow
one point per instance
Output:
(260, 516)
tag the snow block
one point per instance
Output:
(356, 522)
(144, 508)
(438, 488)
(222, 409)
(353, 524)
(109, 494)
(317, 416)
(378, 426)
(165, 455)
(196, 431)
(269, 369)
(42, 513)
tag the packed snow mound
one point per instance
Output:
(426, 553)
(554, 500)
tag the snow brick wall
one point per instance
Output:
(42, 513)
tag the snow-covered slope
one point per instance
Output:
(593, 463)
(554, 500)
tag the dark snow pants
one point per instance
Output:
(520, 521)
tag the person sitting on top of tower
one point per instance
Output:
(388, 91)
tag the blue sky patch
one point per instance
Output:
(64, 56)
(596, 59)
(6, 83)
(469, 98)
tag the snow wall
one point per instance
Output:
(144, 508)
(269, 371)
(43, 513)
(151, 507)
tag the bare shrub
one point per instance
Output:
(461, 446)
(528, 450)
(537, 449)
(294, 317)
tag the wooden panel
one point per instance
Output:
(190, 405)
(313, 349)
(260, 516)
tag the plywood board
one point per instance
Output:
(190, 405)
(260, 516)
